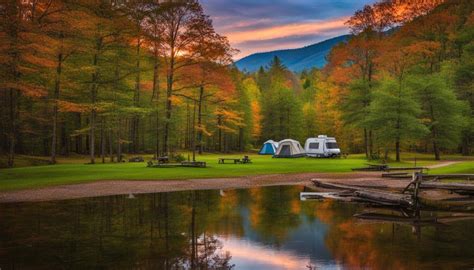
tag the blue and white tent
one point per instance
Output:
(269, 148)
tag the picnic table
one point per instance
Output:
(244, 160)
(235, 160)
(162, 160)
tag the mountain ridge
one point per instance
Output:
(296, 60)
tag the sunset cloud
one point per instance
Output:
(257, 26)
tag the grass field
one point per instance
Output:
(74, 170)
(459, 168)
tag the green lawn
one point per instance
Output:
(72, 171)
(459, 168)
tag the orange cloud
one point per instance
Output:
(281, 31)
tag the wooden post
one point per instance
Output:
(418, 179)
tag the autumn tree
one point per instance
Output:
(212, 52)
(23, 58)
(180, 22)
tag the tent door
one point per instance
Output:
(285, 150)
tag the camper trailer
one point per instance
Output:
(322, 146)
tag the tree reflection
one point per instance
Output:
(188, 230)
(152, 231)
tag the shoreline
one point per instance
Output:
(125, 187)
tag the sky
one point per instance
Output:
(265, 25)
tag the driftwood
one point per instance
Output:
(341, 196)
(335, 186)
(360, 194)
(459, 188)
(385, 198)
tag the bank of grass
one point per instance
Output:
(465, 167)
(74, 170)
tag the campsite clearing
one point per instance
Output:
(75, 171)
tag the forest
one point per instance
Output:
(104, 78)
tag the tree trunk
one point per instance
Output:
(119, 143)
(93, 103)
(136, 102)
(366, 144)
(434, 134)
(158, 141)
(156, 98)
(465, 149)
(241, 139)
(199, 124)
(57, 87)
(111, 146)
(169, 91)
(102, 140)
(219, 123)
(193, 135)
(12, 114)
(397, 149)
(92, 133)
(371, 144)
(78, 138)
(436, 151)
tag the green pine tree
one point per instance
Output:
(394, 114)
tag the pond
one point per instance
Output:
(259, 228)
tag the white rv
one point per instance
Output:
(322, 146)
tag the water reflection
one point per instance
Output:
(261, 228)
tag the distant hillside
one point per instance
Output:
(294, 59)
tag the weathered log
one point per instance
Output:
(384, 197)
(448, 186)
(340, 196)
(335, 186)
(450, 176)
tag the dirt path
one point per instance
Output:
(106, 188)
(442, 164)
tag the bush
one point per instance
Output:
(178, 158)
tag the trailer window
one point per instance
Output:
(314, 145)
(331, 145)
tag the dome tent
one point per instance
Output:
(289, 148)
(268, 148)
